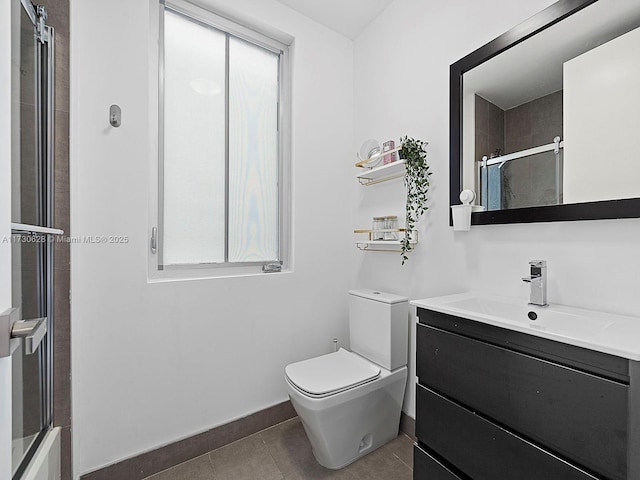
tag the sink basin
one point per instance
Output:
(600, 331)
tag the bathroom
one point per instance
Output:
(143, 361)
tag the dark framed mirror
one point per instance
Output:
(545, 119)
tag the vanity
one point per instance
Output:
(508, 390)
(513, 391)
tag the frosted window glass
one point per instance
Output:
(194, 142)
(253, 153)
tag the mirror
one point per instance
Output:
(545, 118)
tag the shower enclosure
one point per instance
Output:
(518, 150)
(528, 178)
(26, 328)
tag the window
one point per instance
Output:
(222, 172)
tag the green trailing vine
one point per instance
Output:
(416, 179)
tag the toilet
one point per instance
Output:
(349, 402)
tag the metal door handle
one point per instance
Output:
(32, 331)
(12, 329)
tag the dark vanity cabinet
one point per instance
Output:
(494, 404)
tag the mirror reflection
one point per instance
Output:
(554, 119)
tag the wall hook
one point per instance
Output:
(115, 116)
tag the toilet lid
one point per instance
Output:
(332, 373)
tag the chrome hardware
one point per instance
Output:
(32, 331)
(537, 281)
(154, 240)
(12, 329)
(42, 34)
(272, 267)
(115, 116)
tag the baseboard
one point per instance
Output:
(408, 426)
(149, 463)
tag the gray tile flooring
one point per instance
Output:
(283, 452)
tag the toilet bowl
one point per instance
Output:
(348, 421)
(350, 402)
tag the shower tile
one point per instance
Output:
(61, 211)
(61, 256)
(518, 121)
(61, 93)
(61, 345)
(496, 128)
(61, 152)
(57, 14)
(197, 469)
(517, 144)
(481, 115)
(482, 146)
(546, 118)
(65, 457)
(545, 137)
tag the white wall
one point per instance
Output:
(591, 264)
(155, 362)
(601, 104)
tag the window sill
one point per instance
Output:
(163, 276)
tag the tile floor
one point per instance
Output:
(283, 452)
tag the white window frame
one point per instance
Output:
(156, 270)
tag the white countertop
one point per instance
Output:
(600, 331)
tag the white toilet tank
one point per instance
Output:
(379, 327)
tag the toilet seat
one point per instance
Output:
(331, 374)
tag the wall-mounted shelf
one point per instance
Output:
(385, 245)
(382, 173)
(375, 160)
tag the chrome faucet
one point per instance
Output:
(537, 282)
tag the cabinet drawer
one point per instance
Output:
(425, 467)
(481, 449)
(578, 415)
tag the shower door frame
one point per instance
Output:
(44, 73)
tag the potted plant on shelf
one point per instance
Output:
(416, 180)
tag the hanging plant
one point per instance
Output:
(416, 179)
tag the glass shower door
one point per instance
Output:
(32, 235)
(29, 370)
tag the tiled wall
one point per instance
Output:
(58, 18)
(533, 123)
(489, 128)
(528, 181)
